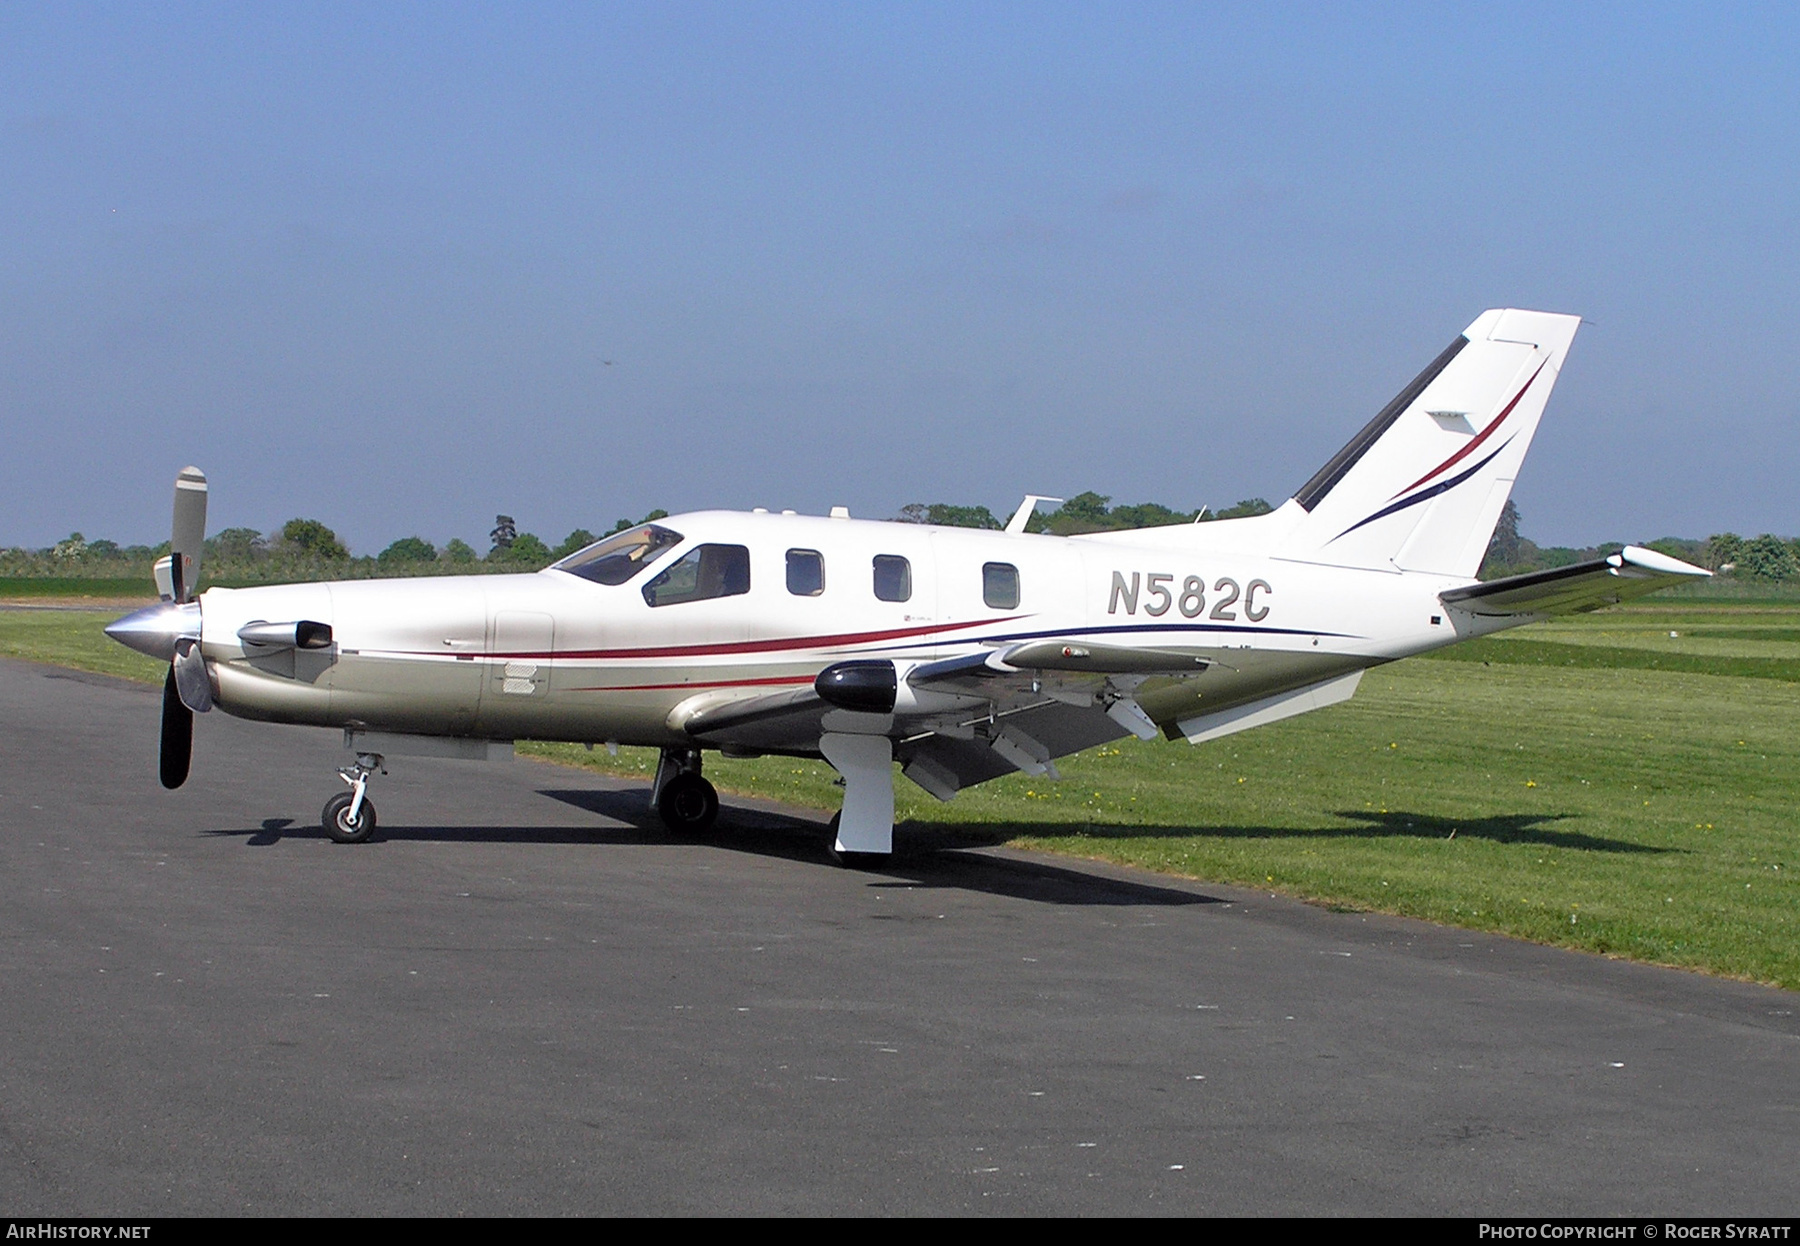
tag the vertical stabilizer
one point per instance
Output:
(1420, 488)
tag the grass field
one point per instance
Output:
(1597, 783)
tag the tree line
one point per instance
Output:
(304, 549)
(307, 548)
(1765, 559)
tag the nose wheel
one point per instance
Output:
(349, 817)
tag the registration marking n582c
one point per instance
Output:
(1157, 590)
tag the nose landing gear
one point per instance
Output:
(349, 817)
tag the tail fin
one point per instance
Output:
(1421, 487)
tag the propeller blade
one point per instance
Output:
(189, 669)
(177, 735)
(188, 535)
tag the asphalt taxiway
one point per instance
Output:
(524, 998)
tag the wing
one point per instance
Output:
(1632, 572)
(963, 720)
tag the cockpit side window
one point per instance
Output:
(805, 572)
(620, 556)
(707, 571)
(893, 578)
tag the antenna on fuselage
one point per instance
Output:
(1022, 516)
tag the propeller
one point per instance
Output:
(170, 630)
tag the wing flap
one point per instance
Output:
(1071, 655)
(1063, 654)
(1632, 572)
(1073, 692)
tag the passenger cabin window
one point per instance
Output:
(1000, 585)
(805, 572)
(893, 578)
(620, 556)
(707, 571)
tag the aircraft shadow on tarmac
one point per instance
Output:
(935, 855)
(1506, 828)
(927, 857)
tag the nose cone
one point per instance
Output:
(154, 630)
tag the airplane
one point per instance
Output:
(961, 655)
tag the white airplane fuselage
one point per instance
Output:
(553, 656)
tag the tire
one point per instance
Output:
(336, 819)
(853, 860)
(688, 805)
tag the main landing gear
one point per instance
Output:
(349, 817)
(686, 802)
(862, 833)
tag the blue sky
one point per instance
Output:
(401, 268)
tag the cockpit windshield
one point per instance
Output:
(620, 556)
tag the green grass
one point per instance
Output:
(1610, 657)
(25, 588)
(73, 638)
(1622, 800)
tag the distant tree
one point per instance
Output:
(458, 550)
(1680, 547)
(103, 549)
(623, 524)
(237, 545)
(944, 515)
(1085, 512)
(1504, 547)
(308, 538)
(526, 550)
(1148, 515)
(1084, 508)
(1243, 509)
(1724, 550)
(70, 549)
(407, 549)
(1767, 558)
(505, 532)
(1510, 552)
(581, 538)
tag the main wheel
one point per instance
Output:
(688, 804)
(854, 860)
(336, 819)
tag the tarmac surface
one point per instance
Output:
(524, 998)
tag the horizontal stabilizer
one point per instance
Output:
(1632, 572)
